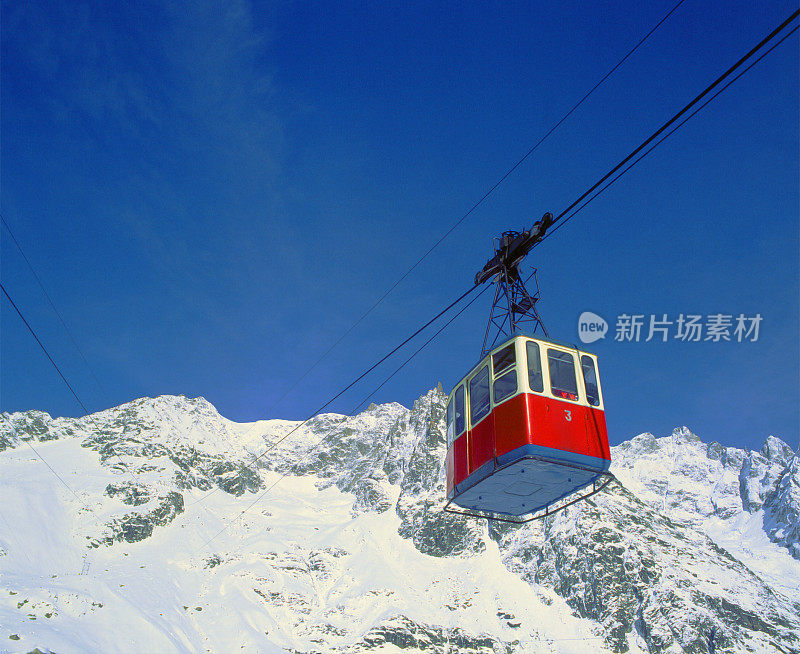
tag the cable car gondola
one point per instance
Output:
(526, 428)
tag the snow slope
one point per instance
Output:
(162, 539)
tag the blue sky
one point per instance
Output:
(213, 193)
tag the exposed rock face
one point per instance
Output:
(16, 428)
(423, 489)
(407, 634)
(618, 561)
(760, 472)
(130, 493)
(134, 527)
(782, 509)
(642, 563)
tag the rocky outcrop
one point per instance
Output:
(133, 527)
(761, 470)
(782, 509)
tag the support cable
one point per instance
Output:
(366, 372)
(678, 115)
(319, 442)
(77, 347)
(668, 134)
(80, 352)
(86, 413)
(477, 204)
(347, 388)
(57, 312)
(58, 370)
(516, 245)
(425, 344)
(44, 349)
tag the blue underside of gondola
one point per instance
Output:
(527, 480)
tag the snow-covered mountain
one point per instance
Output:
(155, 526)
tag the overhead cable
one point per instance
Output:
(477, 204)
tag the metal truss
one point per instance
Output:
(513, 308)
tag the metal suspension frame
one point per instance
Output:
(513, 308)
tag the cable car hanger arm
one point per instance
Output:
(513, 248)
(513, 304)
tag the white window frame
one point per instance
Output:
(575, 369)
(485, 362)
(520, 387)
(601, 406)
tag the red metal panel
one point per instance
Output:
(596, 434)
(537, 410)
(481, 443)
(562, 425)
(541, 420)
(512, 423)
(460, 458)
(449, 463)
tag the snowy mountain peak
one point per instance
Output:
(685, 435)
(776, 450)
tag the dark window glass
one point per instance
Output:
(590, 380)
(505, 386)
(459, 410)
(562, 374)
(479, 395)
(450, 424)
(504, 358)
(534, 368)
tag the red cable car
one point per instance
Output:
(526, 429)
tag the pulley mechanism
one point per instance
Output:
(514, 306)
